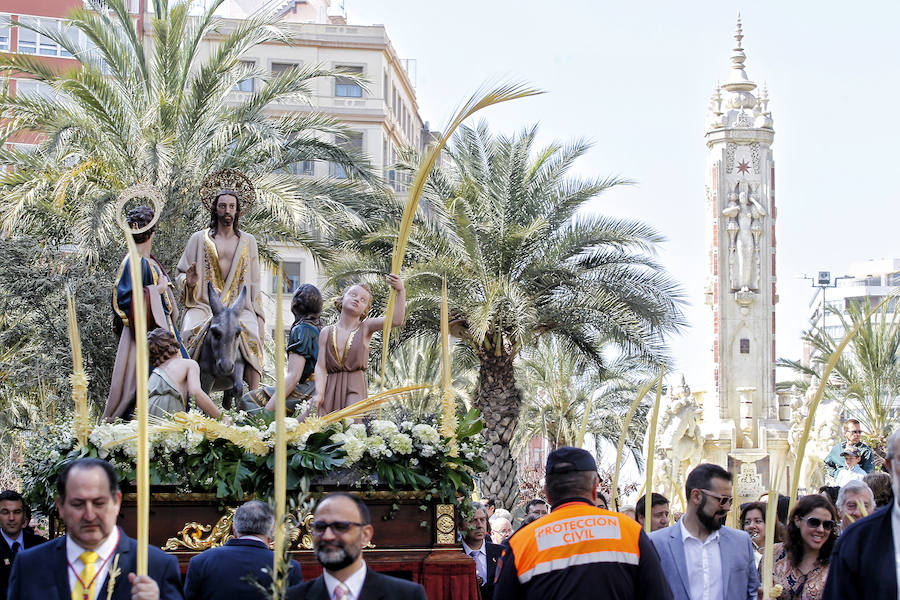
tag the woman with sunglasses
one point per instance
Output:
(801, 562)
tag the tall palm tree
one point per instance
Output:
(866, 378)
(162, 111)
(524, 259)
(560, 387)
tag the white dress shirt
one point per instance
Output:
(845, 475)
(895, 528)
(354, 583)
(704, 565)
(73, 555)
(10, 541)
(480, 559)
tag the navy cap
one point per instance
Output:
(568, 459)
(850, 451)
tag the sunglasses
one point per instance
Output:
(815, 523)
(723, 500)
(319, 527)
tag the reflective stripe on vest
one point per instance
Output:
(580, 559)
(574, 534)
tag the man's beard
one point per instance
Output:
(225, 221)
(335, 556)
(709, 522)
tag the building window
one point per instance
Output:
(745, 346)
(292, 277)
(385, 88)
(33, 43)
(345, 87)
(34, 88)
(354, 145)
(245, 85)
(303, 167)
(4, 38)
(279, 68)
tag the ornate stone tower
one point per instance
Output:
(741, 413)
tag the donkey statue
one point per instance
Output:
(220, 360)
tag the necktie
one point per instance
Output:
(341, 592)
(15, 547)
(474, 555)
(88, 574)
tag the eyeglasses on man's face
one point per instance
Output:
(319, 527)
(723, 500)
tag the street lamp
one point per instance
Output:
(824, 280)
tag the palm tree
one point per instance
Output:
(417, 361)
(560, 386)
(161, 111)
(523, 259)
(866, 378)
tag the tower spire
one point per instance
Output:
(738, 81)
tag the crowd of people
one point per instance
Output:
(842, 542)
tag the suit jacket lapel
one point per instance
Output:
(371, 589)
(61, 568)
(724, 554)
(888, 560)
(127, 564)
(676, 547)
(318, 590)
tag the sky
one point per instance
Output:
(635, 78)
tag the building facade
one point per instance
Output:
(382, 115)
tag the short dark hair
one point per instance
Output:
(701, 477)
(534, 502)
(793, 543)
(364, 516)
(880, 484)
(761, 507)
(306, 305)
(489, 502)
(11, 496)
(570, 484)
(139, 217)
(655, 500)
(832, 492)
(253, 518)
(87, 463)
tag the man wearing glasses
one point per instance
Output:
(341, 527)
(701, 558)
(834, 462)
(865, 562)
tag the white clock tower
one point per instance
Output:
(741, 412)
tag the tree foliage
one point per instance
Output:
(524, 260)
(866, 378)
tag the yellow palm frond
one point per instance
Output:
(480, 99)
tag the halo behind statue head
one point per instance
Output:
(140, 190)
(230, 181)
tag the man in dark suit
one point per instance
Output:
(863, 563)
(484, 553)
(94, 554)
(341, 527)
(13, 518)
(221, 573)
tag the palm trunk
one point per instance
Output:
(499, 401)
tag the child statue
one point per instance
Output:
(344, 347)
(302, 354)
(173, 378)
